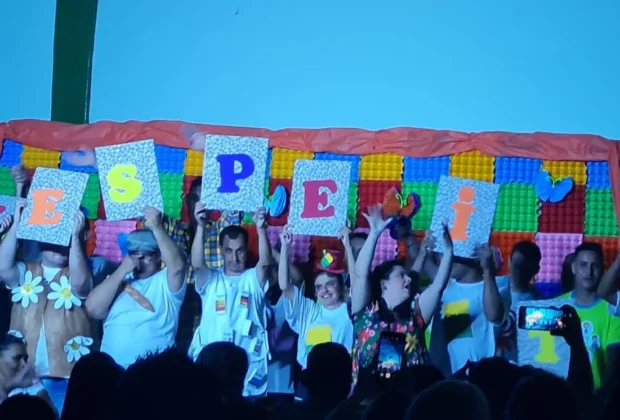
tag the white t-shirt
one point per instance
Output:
(280, 368)
(510, 353)
(234, 310)
(463, 329)
(130, 331)
(315, 324)
(41, 359)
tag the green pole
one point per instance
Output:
(74, 41)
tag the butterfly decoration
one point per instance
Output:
(327, 259)
(275, 204)
(553, 190)
(401, 208)
(123, 244)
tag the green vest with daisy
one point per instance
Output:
(51, 304)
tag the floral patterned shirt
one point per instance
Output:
(376, 318)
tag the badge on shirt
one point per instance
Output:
(220, 304)
(258, 380)
(258, 346)
(228, 335)
(244, 300)
(318, 335)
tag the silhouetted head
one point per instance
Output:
(388, 405)
(542, 397)
(234, 246)
(449, 399)
(418, 378)
(328, 375)
(229, 363)
(20, 407)
(91, 387)
(166, 385)
(496, 378)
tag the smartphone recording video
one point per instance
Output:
(391, 352)
(539, 319)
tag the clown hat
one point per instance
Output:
(331, 262)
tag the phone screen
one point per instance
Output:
(539, 319)
(391, 351)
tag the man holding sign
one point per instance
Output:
(233, 298)
(143, 318)
(474, 304)
(48, 302)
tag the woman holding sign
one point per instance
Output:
(326, 320)
(389, 320)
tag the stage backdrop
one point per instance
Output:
(411, 160)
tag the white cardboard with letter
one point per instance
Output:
(233, 174)
(468, 206)
(129, 179)
(319, 197)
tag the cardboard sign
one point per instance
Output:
(129, 179)
(539, 348)
(319, 197)
(468, 207)
(233, 174)
(53, 201)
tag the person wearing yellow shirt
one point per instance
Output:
(600, 327)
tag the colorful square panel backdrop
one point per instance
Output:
(587, 213)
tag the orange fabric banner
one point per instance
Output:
(413, 142)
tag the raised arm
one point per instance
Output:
(101, 298)
(492, 302)
(203, 273)
(81, 276)
(345, 235)
(428, 243)
(198, 245)
(264, 248)
(171, 255)
(431, 297)
(416, 252)
(21, 178)
(9, 273)
(284, 280)
(360, 287)
(297, 279)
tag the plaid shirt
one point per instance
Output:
(179, 232)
